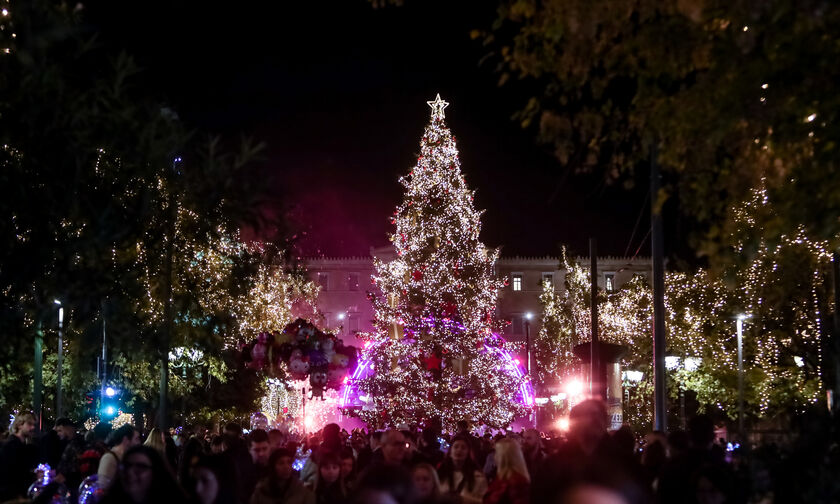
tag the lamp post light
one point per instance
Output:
(58, 391)
(739, 325)
(528, 317)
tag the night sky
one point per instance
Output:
(338, 91)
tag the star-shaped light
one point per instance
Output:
(437, 107)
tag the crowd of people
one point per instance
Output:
(586, 465)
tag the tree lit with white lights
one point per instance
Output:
(433, 354)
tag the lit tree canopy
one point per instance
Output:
(783, 289)
(733, 92)
(435, 315)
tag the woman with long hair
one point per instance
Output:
(281, 486)
(513, 483)
(328, 484)
(460, 475)
(427, 484)
(155, 440)
(144, 478)
(214, 480)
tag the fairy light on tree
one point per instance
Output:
(434, 319)
(784, 287)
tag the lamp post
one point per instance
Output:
(58, 391)
(528, 317)
(739, 325)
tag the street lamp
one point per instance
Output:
(528, 317)
(58, 391)
(739, 325)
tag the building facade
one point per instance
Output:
(345, 282)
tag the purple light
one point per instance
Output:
(526, 390)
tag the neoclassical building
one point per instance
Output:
(345, 281)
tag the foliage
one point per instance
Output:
(784, 289)
(97, 176)
(733, 94)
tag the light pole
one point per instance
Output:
(58, 391)
(739, 324)
(528, 317)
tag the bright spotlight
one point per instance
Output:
(110, 391)
(574, 388)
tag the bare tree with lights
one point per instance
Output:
(433, 351)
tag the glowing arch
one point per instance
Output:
(350, 397)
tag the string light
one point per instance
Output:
(433, 352)
(700, 331)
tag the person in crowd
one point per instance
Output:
(55, 441)
(348, 468)
(155, 440)
(281, 486)
(331, 443)
(276, 439)
(363, 448)
(513, 483)
(426, 484)
(394, 447)
(17, 459)
(144, 478)
(256, 466)
(385, 484)
(532, 450)
(680, 474)
(588, 448)
(328, 485)
(490, 459)
(460, 475)
(119, 442)
(430, 447)
(192, 451)
(214, 480)
(217, 444)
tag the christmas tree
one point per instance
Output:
(434, 353)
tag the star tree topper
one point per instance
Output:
(437, 107)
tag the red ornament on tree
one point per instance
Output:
(432, 361)
(417, 275)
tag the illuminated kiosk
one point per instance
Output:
(351, 398)
(609, 374)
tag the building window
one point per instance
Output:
(548, 278)
(609, 282)
(352, 323)
(353, 281)
(324, 281)
(516, 281)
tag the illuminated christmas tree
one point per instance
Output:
(433, 353)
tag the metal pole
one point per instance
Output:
(104, 356)
(596, 388)
(167, 304)
(660, 421)
(38, 379)
(740, 326)
(58, 391)
(835, 263)
(528, 347)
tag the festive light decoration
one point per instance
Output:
(783, 287)
(433, 354)
(284, 406)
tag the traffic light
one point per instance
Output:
(109, 403)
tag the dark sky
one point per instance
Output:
(338, 92)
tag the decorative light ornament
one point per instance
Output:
(437, 107)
